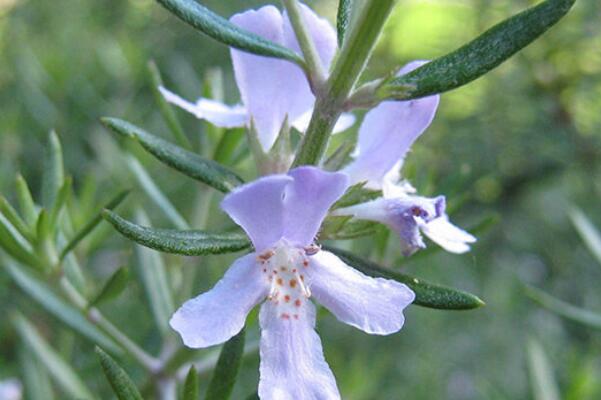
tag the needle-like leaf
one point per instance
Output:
(479, 56)
(224, 377)
(121, 383)
(191, 164)
(222, 30)
(189, 242)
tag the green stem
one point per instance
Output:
(351, 62)
(315, 68)
(316, 138)
(95, 316)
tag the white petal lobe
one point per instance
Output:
(217, 113)
(292, 361)
(448, 236)
(217, 315)
(374, 305)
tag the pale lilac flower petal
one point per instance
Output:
(258, 207)
(307, 201)
(345, 121)
(448, 236)
(271, 89)
(374, 305)
(387, 133)
(292, 361)
(217, 315)
(217, 113)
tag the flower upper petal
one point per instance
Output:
(307, 201)
(270, 88)
(217, 315)
(374, 305)
(387, 133)
(258, 207)
(292, 361)
(215, 112)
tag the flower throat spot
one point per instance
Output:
(282, 266)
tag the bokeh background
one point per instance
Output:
(518, 148)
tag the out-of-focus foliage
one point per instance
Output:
(524, 142)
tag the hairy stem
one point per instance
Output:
(350, 63)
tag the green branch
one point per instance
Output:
(346, 71)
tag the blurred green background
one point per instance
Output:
(520, 145)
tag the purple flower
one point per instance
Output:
(271, 89)
(385, 137)
(282, 214)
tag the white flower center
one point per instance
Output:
(284, 267)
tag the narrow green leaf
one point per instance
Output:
(343, 19)
(357, 194)
(478, 56)
(113, 287)
(26, 203)
(588, 232)
(54, 175)
(15, 219)
(121, 383)
(165, 108)
(191, 385)
(426, 294)
(155, 193)
(224, 377)
(193, 165)
(151, 269)
(544, 386)
(59, 369)
(332, 225)
(45, 247)
(339, 157)
(59, 202)
(222, 30)
(227, 145)
(56, 306)
(43, 226)
(564, 309)
(189, 242)
(35, 378)
(344, 228)
(16, 245)
(89, 227)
